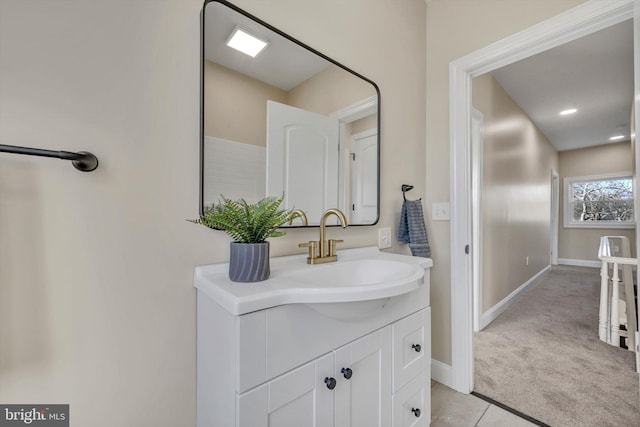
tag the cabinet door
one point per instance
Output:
(299, 398)
(411, 347)
(364, 399)
(412, 403)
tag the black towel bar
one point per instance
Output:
(405, 188)
(83, 160)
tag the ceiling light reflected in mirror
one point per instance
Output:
(246, 42)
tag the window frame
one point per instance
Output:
(569, 222)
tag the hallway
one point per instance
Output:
(543, 357)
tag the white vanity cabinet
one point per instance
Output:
(347, 387)
(346, 364)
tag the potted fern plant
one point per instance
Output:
(249, 225)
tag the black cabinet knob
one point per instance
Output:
(330, 382)
(417, 347)
(416, 412)
(347, 372)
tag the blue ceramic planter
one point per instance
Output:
(249, 262)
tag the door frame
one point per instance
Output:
(477, 156)
(555, 216)
(358, 110)
(587, 18)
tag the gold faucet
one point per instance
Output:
(298, 213)
(325, 252)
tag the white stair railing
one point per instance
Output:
(610, 316)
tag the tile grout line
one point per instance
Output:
(483, 414)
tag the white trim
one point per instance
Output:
(358, 110)
(349, 114)
(477, 119)
(442, 373)
(344, 189)
(495, 311)
(555, 215)
(580, 262)
(635, 133)
(585, 19)
(582, 20)
(605, 225)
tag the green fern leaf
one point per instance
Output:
(245, 222)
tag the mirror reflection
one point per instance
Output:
(285, 120)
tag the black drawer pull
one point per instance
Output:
(417, 348)
(330, 382)
(416, 412)
(347, 372)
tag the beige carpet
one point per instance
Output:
(543, 357)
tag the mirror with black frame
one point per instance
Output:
(285, 119)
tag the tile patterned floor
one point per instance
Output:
(450, 408)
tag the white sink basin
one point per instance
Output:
(362, 274)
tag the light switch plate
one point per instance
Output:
(384, 237)
(440, 211)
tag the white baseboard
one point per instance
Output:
(579, 262)
(495, 311)
(442, 373)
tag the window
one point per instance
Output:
(599, 201)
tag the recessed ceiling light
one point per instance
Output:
(616, 138)
(245, 42)
(568, 111)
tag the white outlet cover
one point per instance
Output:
(384, 237)
(440, 211)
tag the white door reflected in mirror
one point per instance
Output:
(302, 159)
(364, 177)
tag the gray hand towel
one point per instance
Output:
(412, 229)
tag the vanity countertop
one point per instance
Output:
(359, 274)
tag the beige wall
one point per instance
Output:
(346, 89)
(516, 193)
(362, 125)
(235, 105)
(582, 243)
(97, 305)
(454, 29)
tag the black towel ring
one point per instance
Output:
(405, 188)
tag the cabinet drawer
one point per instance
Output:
(411, 347)
(412, 403)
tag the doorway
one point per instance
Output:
(578, 22)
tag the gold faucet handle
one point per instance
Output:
(313, 246)
(332, 246)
